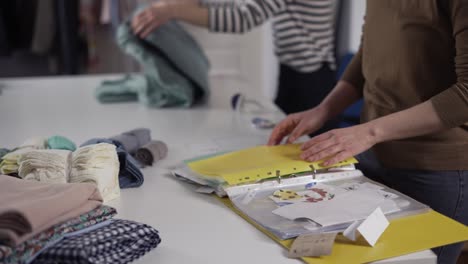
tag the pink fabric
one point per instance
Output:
(29, 207)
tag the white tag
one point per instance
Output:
(351, 232)
(370, 229)
(205, 189)
(312, 245)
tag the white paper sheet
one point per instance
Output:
(346, 208)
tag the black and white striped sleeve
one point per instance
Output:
(242, 15)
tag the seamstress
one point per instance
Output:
(303, 33)
(412, 71)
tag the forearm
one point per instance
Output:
(189, 11)
(343, 95)
(416, 121)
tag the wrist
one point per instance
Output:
(174, 7)
(325, 111)
(166, 7)
(374, 132)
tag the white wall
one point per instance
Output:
(240, 63)
(351, 25)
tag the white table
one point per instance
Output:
(195, 228)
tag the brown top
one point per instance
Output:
(413, 51)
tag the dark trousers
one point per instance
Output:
(444, 191)
(299, 91)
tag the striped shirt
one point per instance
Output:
(303, 29)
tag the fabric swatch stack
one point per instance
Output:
(96, 164)
(35, 216)
(10, 159)
(51, 166)
(110, 163)
(9, 163)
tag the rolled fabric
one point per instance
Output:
(120, 242)
(48, 165)
(133, 139)
(59, 142)
(28, 207)
(130, 174)
(151, 152)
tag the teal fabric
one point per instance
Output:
(125, 89)
(175, 69)
(59, 142)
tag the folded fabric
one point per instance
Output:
(26, 251)
(175, 69)
(133, 139)
(48, 165)
(97, 164)
(59, 142)
(151, 152)
(129, 172)
(9, 163)
(29, 207)
(126, 89)
(3, 152)
(120, 242)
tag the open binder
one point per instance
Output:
(249, 180)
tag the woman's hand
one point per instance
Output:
(151, 18)
(298, 124)
(339, 144)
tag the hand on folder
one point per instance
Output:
(332, 146)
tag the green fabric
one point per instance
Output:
(175, 69)
(59, 142)
(3, 152)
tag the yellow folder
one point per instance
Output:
(403, 236)
(257, 163)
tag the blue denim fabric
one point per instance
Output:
(444, 191)
(129, 173)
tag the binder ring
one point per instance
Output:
(278, 175)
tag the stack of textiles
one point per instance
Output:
(110, 163)
(35, 217)
(96, 164)
(9, 164)
(45, 165)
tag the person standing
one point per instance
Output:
(412, 71)
(303, 34)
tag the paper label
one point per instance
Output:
(312, 245)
